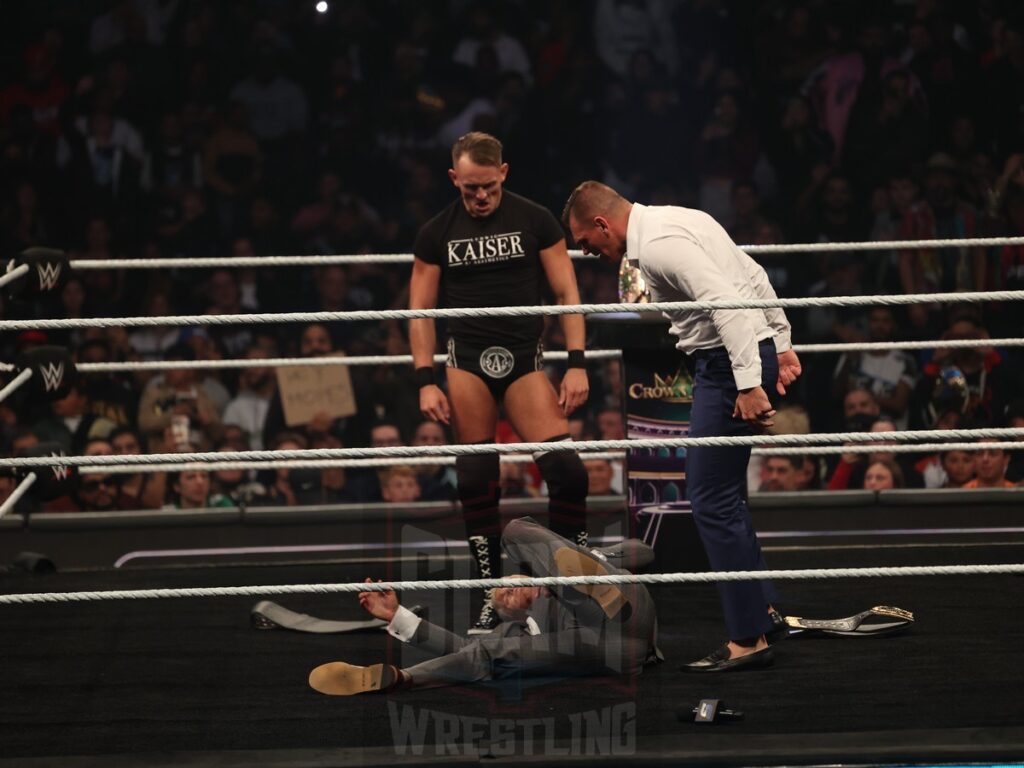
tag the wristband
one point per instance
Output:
(577, 359)
(424, 376)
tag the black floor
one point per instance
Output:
(179, 682)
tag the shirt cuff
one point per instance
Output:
(783, 342)
(404, 624)
(747, 378)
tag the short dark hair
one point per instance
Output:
(795, 460)
(590, 198)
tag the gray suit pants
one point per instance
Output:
(578, 639)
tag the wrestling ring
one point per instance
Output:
(139, 649)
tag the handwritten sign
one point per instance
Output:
(309, 390)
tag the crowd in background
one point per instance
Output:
(183, 128)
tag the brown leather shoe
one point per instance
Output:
(610, 597)
(340, 679)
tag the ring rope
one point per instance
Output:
(811, 450)
(406, 258)
(510, 311)
(420, 461)
(544, 581)
(593, 354)
(480, 448)
(292, 362)
(834, 450)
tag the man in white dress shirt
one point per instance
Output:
(565, 631)
(741, 355)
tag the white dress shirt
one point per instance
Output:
(685, 255)
(404, 624)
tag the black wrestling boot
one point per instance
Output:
(486, 551)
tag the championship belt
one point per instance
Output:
(874, 622)
(632, 286)
(269, 615)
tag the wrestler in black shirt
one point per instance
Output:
(491, 261)
(492, 248)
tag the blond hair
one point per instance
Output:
(482, 148)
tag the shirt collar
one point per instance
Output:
(633, 232)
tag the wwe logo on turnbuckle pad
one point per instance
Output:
(53, 376)
(49, 274)
(60, 471)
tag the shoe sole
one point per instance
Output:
(337, 678)
(762, 663)
(571, 563)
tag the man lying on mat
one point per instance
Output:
(580, 630)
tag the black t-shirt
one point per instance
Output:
(490, 262)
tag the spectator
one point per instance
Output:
(232, 166)
(385, 434)
(399, 486)
(191, 490)
(851, 469)
(111, 395)
(957, 468)
(599, 477)
(974, 380)
(437, 481)
(72, 423)
(287, 483)
(223, 296)
(623, 29)
(248, 410)
(890, 375)
(782, 473)
(152, 341)
(92, 493)
(177, 393)
(610, 425)
(942, 214)
(238, 486)
(336, 487)
(882, 475)
(314, 341)
(486, 35)
(142, 490)
(860, 402)
(990, 467)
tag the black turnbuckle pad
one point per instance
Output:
(53, 371)
(48, 270)
(52, 480)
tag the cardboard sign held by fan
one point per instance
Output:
(307, 390)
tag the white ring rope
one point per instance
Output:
(545, 581)
(406, 258)
(810, 450)
(882, 346)
(593, 354)
(511, 311)
(214, 466)
(501, 448)
(296, 362)
(834, 450)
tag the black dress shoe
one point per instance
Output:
(779, 630)
(720, 661)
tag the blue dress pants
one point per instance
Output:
(716, 485)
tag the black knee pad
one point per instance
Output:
(479, 479)
(564, 473)
(478, 476)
